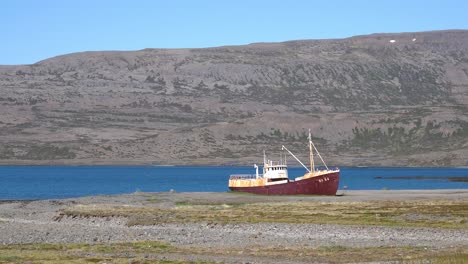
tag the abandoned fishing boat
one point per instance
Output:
(275, 180)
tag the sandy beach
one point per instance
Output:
(204, 226)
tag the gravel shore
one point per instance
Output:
(36, 222)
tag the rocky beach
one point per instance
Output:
(236, 228)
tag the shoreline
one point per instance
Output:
(345, 195)
(150, 164)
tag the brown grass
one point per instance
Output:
(154, 251)
(439, 214)
(135, 252)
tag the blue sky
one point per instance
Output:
(38, 29)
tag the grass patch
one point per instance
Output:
(401, 254)
(8, 258)
(455, 258)
(438, 214)
(150, 252)
(131, 252)
(207, 205)
(152, 200)
(183, 203)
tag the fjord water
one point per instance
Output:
(48, 182)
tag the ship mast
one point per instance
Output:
(311, 155)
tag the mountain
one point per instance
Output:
(375, 100)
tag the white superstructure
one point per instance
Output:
(274, 170)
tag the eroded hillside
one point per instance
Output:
(368, 101)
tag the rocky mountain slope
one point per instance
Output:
(381, 100)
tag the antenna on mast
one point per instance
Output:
(311, 155)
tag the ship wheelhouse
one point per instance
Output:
(275, 171)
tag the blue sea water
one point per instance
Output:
(48, 182)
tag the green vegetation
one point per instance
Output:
(6, 152)
(342, 254)
(152, 199)
(276, 135)
(455, 258)
(131, 252)
(441, 214)
(414, 138)
(8, 258)
(462, 130)
(183, 203)
(48, 152)
(154, 252)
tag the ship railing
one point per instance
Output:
(322, 168)
(275, 163)
(244, 176)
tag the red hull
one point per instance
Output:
(316, 185)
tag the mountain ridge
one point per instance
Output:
(396, 99)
